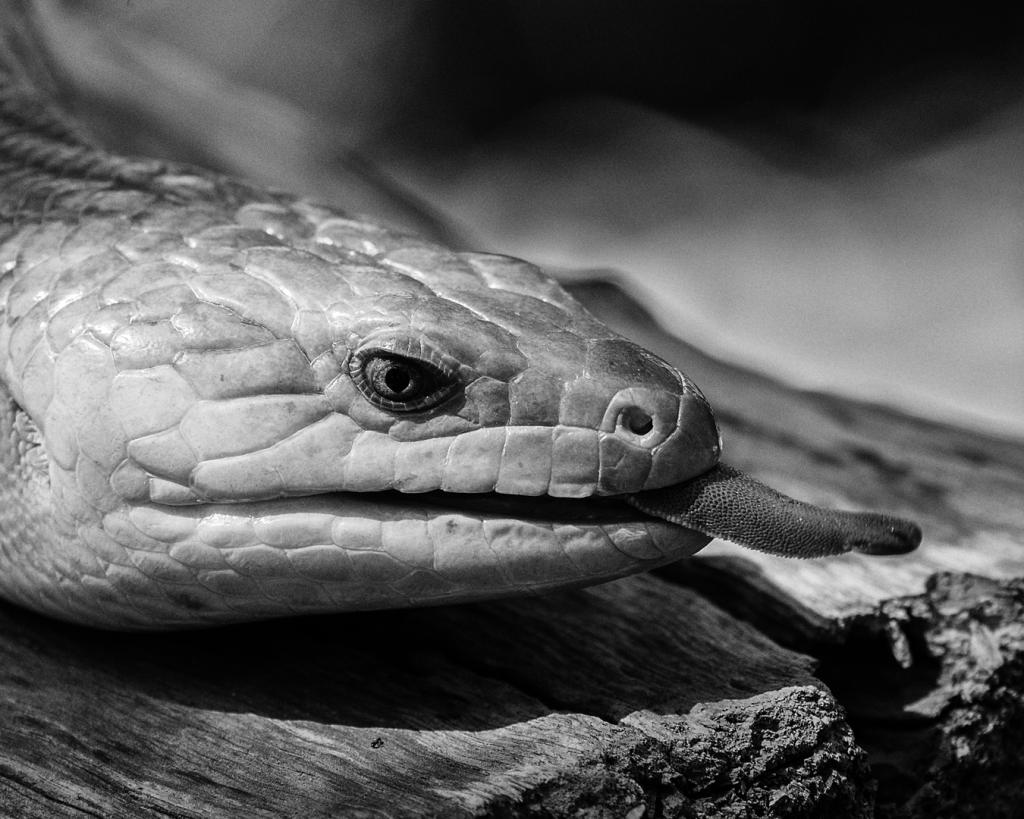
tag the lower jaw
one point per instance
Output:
(338, 552)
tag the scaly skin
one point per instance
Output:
(197, 428)
(183, 346)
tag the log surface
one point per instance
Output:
(728, 685)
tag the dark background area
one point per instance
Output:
(746, 66)
(430, 75)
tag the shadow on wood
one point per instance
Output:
(445, 710)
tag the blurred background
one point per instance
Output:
(832, 193)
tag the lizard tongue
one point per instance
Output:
(727, 504)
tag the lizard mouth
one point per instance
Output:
(349, 551)
(542, 508)
(351, 514)
(722, 502)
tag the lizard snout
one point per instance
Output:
(654, 438)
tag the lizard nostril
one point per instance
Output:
(636, 420)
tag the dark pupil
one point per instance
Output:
(397, 378)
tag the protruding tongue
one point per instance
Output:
(727, 504)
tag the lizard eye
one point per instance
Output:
(399, 383)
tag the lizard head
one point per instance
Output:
(229, 413)
(253, 412)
